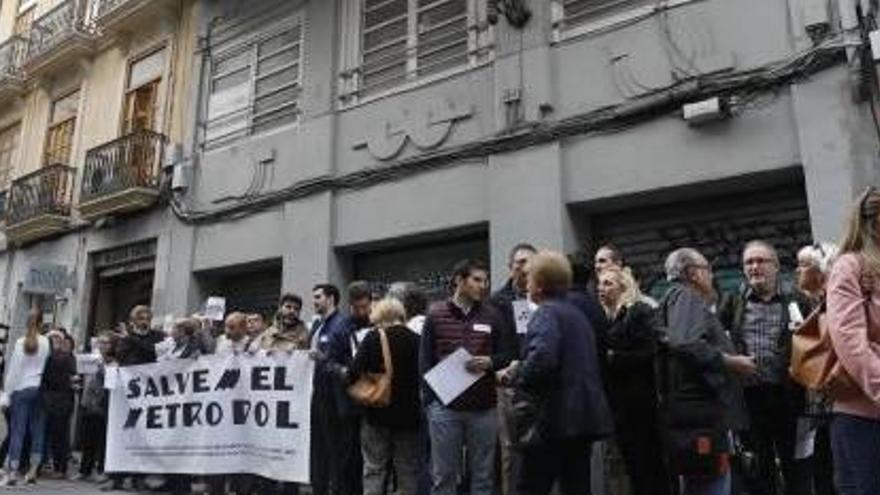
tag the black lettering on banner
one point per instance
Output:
(132, 418)
(241, 409)
(165, 386)
(229, 380)
(260, 378)
(192, 414)
(213, 414)
(151, 390)
(153, 421)
(200, 381)
(280, 379)
(261, 413)
(282, 419)
(172, 414)
(182, 380)
(134, 388)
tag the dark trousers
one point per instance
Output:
(822, 464)
(58, 440)
(566, 461)
(855, 442)
(771, 435)
(638, 438)
(336, 451)
(94, 435)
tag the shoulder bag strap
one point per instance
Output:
(386, 352)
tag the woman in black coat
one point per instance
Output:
(629, 348)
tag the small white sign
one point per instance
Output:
(522, 312)
(215, 308)
(88, 364)
(449, 378)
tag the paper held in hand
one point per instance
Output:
(449, 378)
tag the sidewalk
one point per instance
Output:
(58, 487)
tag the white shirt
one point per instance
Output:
(25, 370)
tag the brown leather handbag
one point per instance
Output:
(814, 364)
(374, 389)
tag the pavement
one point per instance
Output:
(47, 487)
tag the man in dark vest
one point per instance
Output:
(471, 419)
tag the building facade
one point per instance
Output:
(238, 149)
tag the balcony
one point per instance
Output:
(58, 37)
(119, 16)
(39, 204)
(122, 175)
(12, 54)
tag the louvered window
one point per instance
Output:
(256, 86)
(578, 12)
(405, 40)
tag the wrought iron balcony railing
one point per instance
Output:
(129, 162)
(12, 54)
(44, 192)
(53, 28)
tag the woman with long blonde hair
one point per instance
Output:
(853, 311)
(21, 392)
(628, 350)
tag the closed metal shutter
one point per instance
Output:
(717, 226)
(428, 265)
(253, 291)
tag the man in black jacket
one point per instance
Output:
(511, 298)
(699, 379)
(758, 321)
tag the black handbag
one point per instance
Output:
(527, 419)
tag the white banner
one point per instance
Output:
(214, 415)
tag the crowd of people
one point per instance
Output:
(694, 390)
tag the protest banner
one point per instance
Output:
(220, 414)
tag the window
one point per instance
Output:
(255, 86)
(568, 14)
(24, 17)
(62, 122)
(142, 93)
(403, 40)
(8, 146)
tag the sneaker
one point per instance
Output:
(77, 476)
(99, 478)
(9, 479)
(31, 476)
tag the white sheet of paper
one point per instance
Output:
(111, 375)
(805, 440)
(164, 347)
(522, 311)
(215, 308)
(87, 364)
(449, 378)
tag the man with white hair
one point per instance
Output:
(757, 317)
(702, 401)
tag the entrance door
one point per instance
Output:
(116, 294)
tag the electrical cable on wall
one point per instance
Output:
(613, 118)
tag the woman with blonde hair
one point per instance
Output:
(21, 392)
(390, 434)
(628, 349)
(853, 305)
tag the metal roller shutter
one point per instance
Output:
(429, 265)
(718, 226)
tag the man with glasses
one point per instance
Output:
(758, 320)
